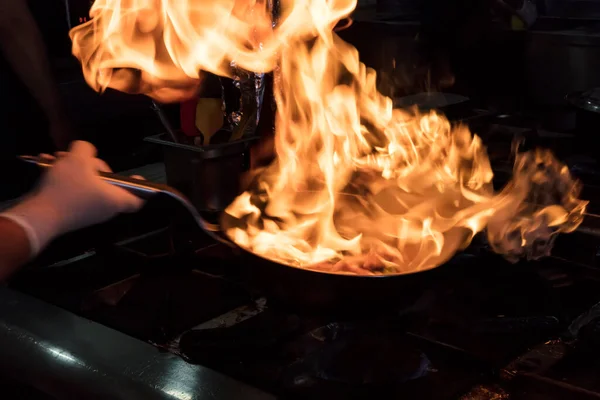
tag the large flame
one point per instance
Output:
(357, 186)
(160, 47)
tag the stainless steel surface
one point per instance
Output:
(69, 357)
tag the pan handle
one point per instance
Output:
(138, 187)
(145, 190)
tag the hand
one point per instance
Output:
(71, 196)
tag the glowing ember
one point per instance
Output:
(356, 187)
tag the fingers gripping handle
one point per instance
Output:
(138, 187)
(145, 190)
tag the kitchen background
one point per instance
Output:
(523, 72)
(171, 308)
(533, 70)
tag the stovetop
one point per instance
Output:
(483, 328)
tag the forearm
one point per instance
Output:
(23, 46)
(15, 248)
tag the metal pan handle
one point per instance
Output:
(138, 187)
(145, 190)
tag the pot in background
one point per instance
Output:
(562, 57)
(587, 108)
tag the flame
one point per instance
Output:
(160, 47)
(356, 187)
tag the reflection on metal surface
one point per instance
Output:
(226, 320)
(178, 394)
(72, 260)
(235, 316)
(67, 356)
(62, 355)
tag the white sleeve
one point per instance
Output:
(39, 220)
(34, 242)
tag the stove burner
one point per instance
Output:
(369, 357)
(156, 307)
(253, 336)
(350, 355)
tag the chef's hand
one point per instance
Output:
(71, 196)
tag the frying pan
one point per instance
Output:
(289, 286)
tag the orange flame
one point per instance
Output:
(160, 47)
(356, 187)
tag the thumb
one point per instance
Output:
(125, 202)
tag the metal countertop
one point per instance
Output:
(69, 357)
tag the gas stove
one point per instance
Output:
(483, 325)
(482, 329)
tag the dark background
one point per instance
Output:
(113, 121)
(526, 72)
(514, 71)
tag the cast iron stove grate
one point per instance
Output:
(478, 314)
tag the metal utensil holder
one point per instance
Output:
(210, 175)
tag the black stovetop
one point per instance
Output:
(483, 325)
(483, 328)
